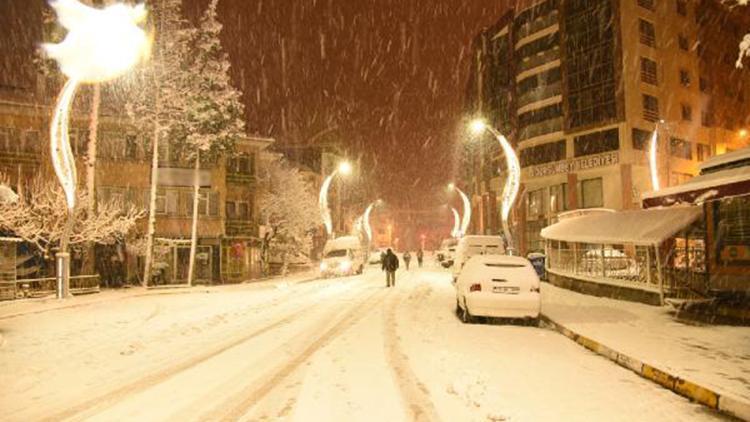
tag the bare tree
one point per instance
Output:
(40, 215)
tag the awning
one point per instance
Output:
(641, 227)
(706, 187)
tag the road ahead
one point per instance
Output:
(329, 350)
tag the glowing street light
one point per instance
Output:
(513, 182)
(345, 168)
(101, 45)
(653, 162)
(466, 219)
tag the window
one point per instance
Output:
(680, 148)
(243, 210)
(535, 208)
(682, 7)
(231, 211)
(592, 193)
(648, 71)
(646, 4)
(161, 202)
(641, 139)
(650, 108)
(687, 112)
(684, 78)
(647, 33)
(683, 43)
(703, 151)
(596, 143)
(704, 84)
(542, 154)
(558, 198)
(131, 147)
(241, 164)
(707, 119)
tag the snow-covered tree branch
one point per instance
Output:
(745, 43)
(39, 217)
(289, 210)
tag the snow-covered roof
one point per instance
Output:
(705, 181)
(722, 159)
(641, 227)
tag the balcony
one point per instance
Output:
(242, 178)
(539, 129)
(539, 59)
(241, 228)
(539, 94)
(537, 25)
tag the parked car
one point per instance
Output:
(343, 256)
(498, 286)
(469, 246)
(444, 253)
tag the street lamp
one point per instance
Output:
(653, 150)
(101, 45)
(466, 220)
(366, 220)
(345, 168)
(456, 232)
(513, 182)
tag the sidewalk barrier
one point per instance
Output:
(724, 403)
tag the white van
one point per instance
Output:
(469, 246)
(343, 256)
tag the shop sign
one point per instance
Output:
(576, 164)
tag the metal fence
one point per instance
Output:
(40, 287)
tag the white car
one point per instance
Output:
(498, 286)
(343, 256)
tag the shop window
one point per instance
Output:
(647, 33)
(558, 198)
(535, 208)
(703, 151)
(650, 108)
(648, 71)
(641, 139)
(596, 143)
(592, 194)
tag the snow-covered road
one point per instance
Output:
(330, 350)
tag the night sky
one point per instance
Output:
(384, 77)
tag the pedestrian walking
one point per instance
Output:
(407, 259)
(390, 265)
(420, 257)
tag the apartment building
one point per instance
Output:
(580, 86)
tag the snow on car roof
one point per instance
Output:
(500, 259)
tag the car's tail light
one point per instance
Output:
(475, 288)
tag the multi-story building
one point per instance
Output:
(228, 244)
(580, 86)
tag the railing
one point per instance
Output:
(540, 93)
(40, 287)
(539, 59)
(542, 128)
(537, 25)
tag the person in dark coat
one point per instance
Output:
(420, 257)
(390, 265)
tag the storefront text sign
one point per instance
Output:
(576, 164)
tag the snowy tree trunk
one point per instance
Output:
(152, 204)
(91, 164)
(194, 232)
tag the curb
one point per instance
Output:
(724, 403)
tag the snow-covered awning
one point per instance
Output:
(730, 182)
(641, 227)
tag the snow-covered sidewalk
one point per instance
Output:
(11, 309)
(716, 357)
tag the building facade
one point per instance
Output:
(580, 86)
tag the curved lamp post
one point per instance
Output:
(653, 161)
(466, 219)
(366, 220)
(101, 45)
(456, 224)
(325, 212)
(513, 182)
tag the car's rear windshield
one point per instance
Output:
(338, 253)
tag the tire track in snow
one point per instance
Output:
(241, 403)
(414, 393)
(98, 403)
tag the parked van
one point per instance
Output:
(470, 246)
(343, 256)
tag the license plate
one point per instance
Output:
(505, 290)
